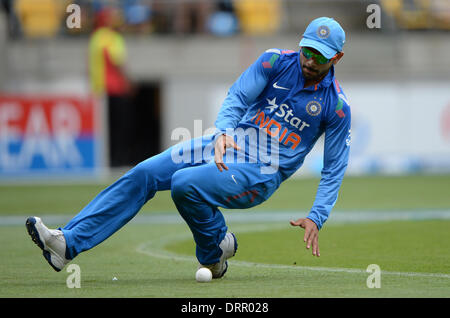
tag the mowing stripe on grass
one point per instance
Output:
(244, 221)
(156, 248)
(243, 216)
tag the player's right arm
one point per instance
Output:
(240, 96)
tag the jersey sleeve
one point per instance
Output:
(245, 90)
(336, 153)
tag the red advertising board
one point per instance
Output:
(47, 135)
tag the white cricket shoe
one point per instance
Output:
(51, 242)
(228, 246)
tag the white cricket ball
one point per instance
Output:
(203, 275)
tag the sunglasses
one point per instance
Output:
(320, 59)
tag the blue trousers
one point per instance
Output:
(197, 187)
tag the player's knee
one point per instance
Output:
(180, 186)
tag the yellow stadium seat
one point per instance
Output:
(41, 18)
(258, 16)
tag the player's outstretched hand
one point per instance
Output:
(311, 234)
(222, 143)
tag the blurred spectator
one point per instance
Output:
(137, 16)
(419, 14)
(107, 55)
(6, 5)
(46, 18)
(440, 10)
(191, 16)
(162, 17)
(41, 18)
(223, 21)
(13, 23)
(98, 5)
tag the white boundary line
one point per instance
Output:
(156, 248)
(241, 219)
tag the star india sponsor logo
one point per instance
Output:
(274, 123)
(286, 113)
(255, 145)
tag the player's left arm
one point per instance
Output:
(240, 96)
(336, 153)
(245, 90)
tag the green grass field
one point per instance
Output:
(412, 247)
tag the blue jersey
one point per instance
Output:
(270, 96)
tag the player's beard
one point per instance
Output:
(313, 75)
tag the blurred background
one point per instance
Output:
(89, 88)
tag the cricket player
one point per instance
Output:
(281, 105)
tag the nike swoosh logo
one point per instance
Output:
(232, 176)
(279, 87)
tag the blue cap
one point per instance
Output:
(325, 35)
